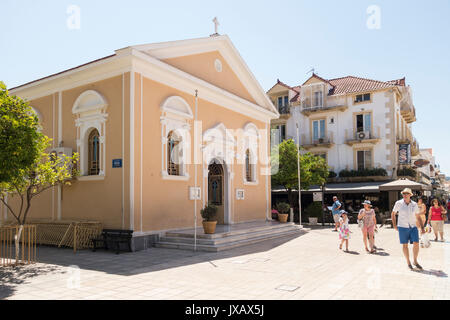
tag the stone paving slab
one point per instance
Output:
(307, 267)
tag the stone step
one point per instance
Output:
(200, 233)
(228, 244)
(230, 238)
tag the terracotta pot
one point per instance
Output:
(282, 217)
(209, 227)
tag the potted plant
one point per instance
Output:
(283, 211)
(314, 211)
(209, 213)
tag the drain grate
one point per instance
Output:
(287, 288)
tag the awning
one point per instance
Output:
(401, 184)
(354, 187)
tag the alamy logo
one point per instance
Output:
(374, 19)
(74, 19)
(74, 277)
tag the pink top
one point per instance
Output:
(436, 214)
(368, 218)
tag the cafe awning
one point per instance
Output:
(354, 187)
(400, 184)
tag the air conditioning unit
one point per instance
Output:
(60, 151)
(363, 135)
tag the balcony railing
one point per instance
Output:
(326, 141)
(284, 110)
(306, 104)
(362, 136)
(308, 108)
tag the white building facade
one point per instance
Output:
(354, 123)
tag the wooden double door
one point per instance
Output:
(216, 189)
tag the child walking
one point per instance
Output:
(344, 230)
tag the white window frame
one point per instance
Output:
(251, 143)
(90, 112)
(364, 159)
(176, 114)
(319, 99)
(318, 128)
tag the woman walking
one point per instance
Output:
(367, 214)
(436, 217)
(422, 211)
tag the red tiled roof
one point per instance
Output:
(351, 84)
(398, 82)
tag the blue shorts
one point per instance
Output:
(408, 234)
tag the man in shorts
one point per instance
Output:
(335, 210)
(408, 220)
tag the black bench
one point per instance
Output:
(113, 238)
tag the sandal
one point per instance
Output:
(410, 267)
(367, 250)
(340, 246)
(373, 251)
(418, 266)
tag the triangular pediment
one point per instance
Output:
(315, 79)
(278, 88)
(214, 60)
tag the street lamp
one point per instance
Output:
(323, 207)
(298, 171)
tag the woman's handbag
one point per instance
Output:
(425, 241)
(445, 217)
(360, 223)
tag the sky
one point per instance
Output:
(382, 40)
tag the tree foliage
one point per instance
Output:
(21, 142)
(313, 169)
(26, 170)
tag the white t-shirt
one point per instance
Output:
(406, 213)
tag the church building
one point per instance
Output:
(161, 130)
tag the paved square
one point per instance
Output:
(311, 263)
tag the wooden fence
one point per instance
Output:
(27, 245)
(73, 234)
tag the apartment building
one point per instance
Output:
(354, 123)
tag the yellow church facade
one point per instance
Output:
(161, 130)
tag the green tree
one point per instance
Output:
(24, 176)
(21, 141)
(313, 169)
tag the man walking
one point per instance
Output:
(335, 209)
(408, 219)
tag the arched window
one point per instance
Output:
(94, 153)
(173, 154)
(90, 114)
(250, 155)
(175, 120)
(249, 170)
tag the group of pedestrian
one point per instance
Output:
(367, 221)
(408, 217)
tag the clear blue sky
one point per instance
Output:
(277, 39)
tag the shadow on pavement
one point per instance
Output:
(10, 277)
(150, 260)
(436, 273)
(382, 254)
(352, 252)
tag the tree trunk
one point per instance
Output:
(17, 243)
